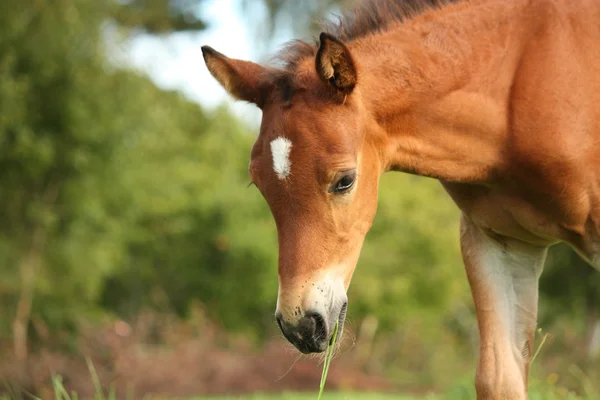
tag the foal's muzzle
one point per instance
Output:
(312, 332)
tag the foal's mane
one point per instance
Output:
(371, 17)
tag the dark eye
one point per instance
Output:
(344, 183)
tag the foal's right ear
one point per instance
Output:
(335, 64)
(244, 80)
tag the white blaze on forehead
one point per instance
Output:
(280, 149)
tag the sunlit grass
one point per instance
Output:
(538, 391)
(543, 393)
(326, 396)
(549, 393)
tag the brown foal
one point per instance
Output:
(498, 100)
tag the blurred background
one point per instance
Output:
(128, 235)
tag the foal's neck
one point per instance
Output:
(439, 85)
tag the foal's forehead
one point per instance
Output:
(303, 140)
(303, 135)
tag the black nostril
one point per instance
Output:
(319, 329)
(308, 334)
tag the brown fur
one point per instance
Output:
(498, 100)
(370, 18)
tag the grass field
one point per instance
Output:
(461, 392)
(457, 394)
(313, 396)
(466, 395)
(539, 390)
(327, 396)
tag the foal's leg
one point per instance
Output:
(503, 275)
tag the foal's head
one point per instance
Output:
(317, 163)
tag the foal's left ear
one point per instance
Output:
(335, 64)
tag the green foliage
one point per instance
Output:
(116, 195)
(410, 265)
(56, 134)
(191, 222)
(158, 16)
(569, 284)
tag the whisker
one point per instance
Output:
(290, 368)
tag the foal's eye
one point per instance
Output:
(344, 183)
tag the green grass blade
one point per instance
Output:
(60, 392)
(328, 356)
(539, 347)
(96, 381)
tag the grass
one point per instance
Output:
(328, 357)
(543, 392)
(326, 396)
(467, 394)
(538, 391)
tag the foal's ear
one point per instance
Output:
(244, 80)
(335, 64)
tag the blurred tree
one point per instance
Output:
(91, 183)
(192, 228)
(105, 176)
(411, 260)
(168, 16)
(298, 17)
(53, 132)
(158, 16)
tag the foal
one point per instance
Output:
(498, 100)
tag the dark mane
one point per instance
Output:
(371, 17)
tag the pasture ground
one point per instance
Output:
(327, 396)
(460, 393)
(533, 395)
